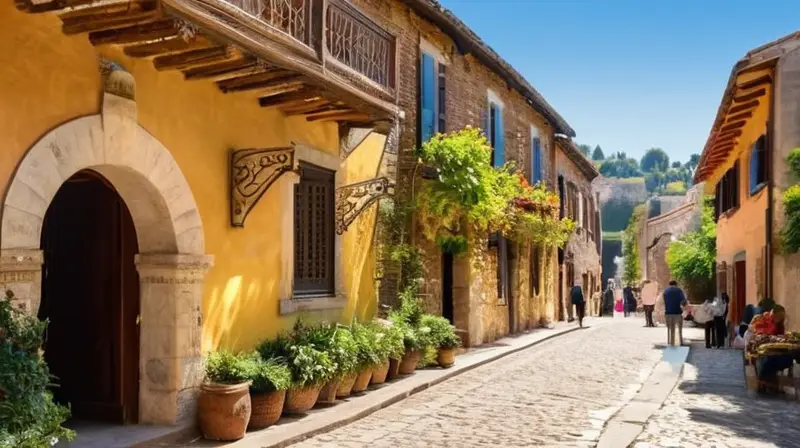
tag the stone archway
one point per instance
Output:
(171, 262)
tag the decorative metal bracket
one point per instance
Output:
(353, 199)
(252, 172)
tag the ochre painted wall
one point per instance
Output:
(49, 78)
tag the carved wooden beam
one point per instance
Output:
(749, 96)
(746, 106)
(105, 17)
(731, 126)
(304, 107)
(164, 46)
(253, 171)
(135, 34)
(353, 199)
(202, 56)
(237, 67)
(269, 80)
(285, 98)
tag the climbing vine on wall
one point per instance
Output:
(631, 270)
(691, 259)
(790, 235)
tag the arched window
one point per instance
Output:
(758, 164)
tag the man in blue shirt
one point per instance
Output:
(674, 302)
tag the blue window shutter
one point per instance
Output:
(537, 160)
(499, 137)
(428, 98)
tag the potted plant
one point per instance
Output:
(223, 406)
(414, 343)
(342, 350)
(395, 340)
(444, 338)
(385, 347)
(269, 379)
(367, 354)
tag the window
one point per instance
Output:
(494, 130)
(562, 199)
(727, 191)
(314, 232)
(758, 164)
(535, 256)
(432, 97)
(572, 202)
(536, 157)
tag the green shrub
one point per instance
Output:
(367, 352)
(310, 366)
(455, 245)
(225, 367)
(790, 235)
(442, 334)
(28, 416)
(306, 352)
(267, 375)
(793, 160)
(395, 341)
(344, 351)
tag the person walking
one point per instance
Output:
(629, 300)
(576, 294)
(720, 319)
(674, 302)
(706, 318)
(649, 294)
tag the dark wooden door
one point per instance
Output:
(447, 286)
(560, 312)
(90, 294)
(740, 298)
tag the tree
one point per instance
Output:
(655, 159)
(654, 181)
(620, 167)
(585, 149)
(694, 161)
(676, 164)
(631, 270)
(598, 153)
(691, 258)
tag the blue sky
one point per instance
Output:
(630, 74)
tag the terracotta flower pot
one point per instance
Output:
(301, 399)
(362, 381)
(223, 410)
(446, 357)
(394, 368)
(328, 393)
(346, 386)
(267, 409)
(380, 372)
(409, 363)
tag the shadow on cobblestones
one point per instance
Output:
(712, 406)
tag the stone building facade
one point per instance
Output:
(471, 76)
(580, 260)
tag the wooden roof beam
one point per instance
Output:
(228, 69)
(191, 58)
(733, 133)
(336, 111)
(734, 125)
(285, 98)
(54, 5)
(269, 80)
(135, 34)
(115, 15)
(745, 97)
(164, 46)
(757, 82)
(742, 107)
(302, 107)
(741, 116)
(352, 116)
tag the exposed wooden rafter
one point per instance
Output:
(734, 125)
(165, 46)
(354, 117)
(757, 82)
(104, 17)
(742, 107)
(304, 106)
(741, 116)
(745, 97)
(268, 80)
(245, 65)
(191, 58)
(287, 98)
(55, 5)
(135, 34)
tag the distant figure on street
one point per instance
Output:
(706, 318)
(629, 300)
(649, 294)
(721, 319)
(674, 302)
(576, 296)
(608, 299)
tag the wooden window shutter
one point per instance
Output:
(537, 160)
(442, 100)
(499, 137)
(314, 232)
(427, 97)
(735, 198)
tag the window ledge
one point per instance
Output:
(758, 189)
(298, 305)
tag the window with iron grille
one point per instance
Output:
(314, 232)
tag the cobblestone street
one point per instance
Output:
(710, 407)
(560, 392)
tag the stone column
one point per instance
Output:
(171, 324)
(21, 272)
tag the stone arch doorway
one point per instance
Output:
(90, 296)
(171, 260)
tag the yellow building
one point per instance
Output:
(184, 175)
(744, 165)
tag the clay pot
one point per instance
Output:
(267, 409)
(301, 399)
(223, 410)
(328, 393)
(362, 382)
(394, 368)
(346, 385)
(379, 373)
(409, 363)
(446, 357)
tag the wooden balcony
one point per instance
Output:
(323, 59)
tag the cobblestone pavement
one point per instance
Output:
(710, 407)
(558, 393)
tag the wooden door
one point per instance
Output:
(447, 286)
(740, 296)
(90, 294)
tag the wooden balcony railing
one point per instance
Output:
(293, 17)
(357, 42)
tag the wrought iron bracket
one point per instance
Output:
(253, 171)
(353, 199)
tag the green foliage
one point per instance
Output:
(631, 270)
(388, 343)
(366, 347)
(267, 375)
(615, 215)
(694, 161)
(306, 350)
(676, 164)
(395, 341)
(790, 234)
(597, 154)
(691, 259)
(585, 150)
(225, 367)
(394, 216)
(28, 416)
(793, 160)
(407, 320)
(612, 236)
(310, 366)
(620, 167)
(655, 159)
(442, 333)
(675, 188)
(452, 244)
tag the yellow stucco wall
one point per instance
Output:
(49, 78)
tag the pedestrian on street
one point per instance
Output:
(629, 300)
(576, 294)
(674, 302)
(706, 318)
(720, 319)
(649, 294)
